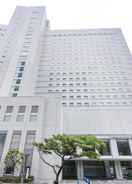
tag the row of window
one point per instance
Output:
(84, 34)
(81, 73)
(110, 84)
(83, 82)
(98, 97)
(22, 109)
(97, 104)
(21, 113)
(92, 78)
(123, 147)
(102, 170)
(92, 90)
(15, 143)
(23, 55)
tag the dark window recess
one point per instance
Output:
(23, 63)
(123, 147)
(99, 169)
(126, 167)
(22, 109)
(16, 88)
(18, 81)
(21, 69)
(19, 75)
(9, 109)
(14, 94)
(69, 170)
(34, 109)
(9, 170)
(106, 150)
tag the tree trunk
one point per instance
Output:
(56, 182)
(57, 175)
(57, 179)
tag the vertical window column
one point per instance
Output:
(21, 113)
(2, 142)
(15, 141)
(8, 113)
(34, 113)
(28, 149)
(14, 144)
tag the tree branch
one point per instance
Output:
(59, 155)
(47, 163)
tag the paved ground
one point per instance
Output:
(102, 182)
(92, 182)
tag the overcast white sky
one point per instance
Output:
(76, 14)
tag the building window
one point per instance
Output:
(28, 148)
(8, 113)
(94, 169)
(107, 150)
(21, 69)
(19, 75)
(99, 169)
(34, 109)
(15, 141)
(22, 109)
(14, 94)
(21, 113)
(20, 117)
(9, 109)
(2, 142)
(34, 113)
(18, 81)
(126, 167)
(33, 117)
(23, 63)
(64, 104)
(7, 117)
(71, 104)
(69, 170)
(123, 147)
(16, 88)
(86, 104)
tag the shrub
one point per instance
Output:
(10, 179)
(15, 179)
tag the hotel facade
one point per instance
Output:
(76, 82)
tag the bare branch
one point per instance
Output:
(47, 163)
(58, 154)
(58, 166)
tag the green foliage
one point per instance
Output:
(64, 145)
(69, 147)
(14, 179)
(91, 146)
(14, 158)
(29, 179)
(10, 179)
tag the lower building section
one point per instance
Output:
(97, 170)
(24, 120)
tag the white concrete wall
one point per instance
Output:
(16, 36)
(49, 114)
(97, 121)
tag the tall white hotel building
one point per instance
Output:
(77, 82)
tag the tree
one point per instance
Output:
(67, 147)
(14, 158)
